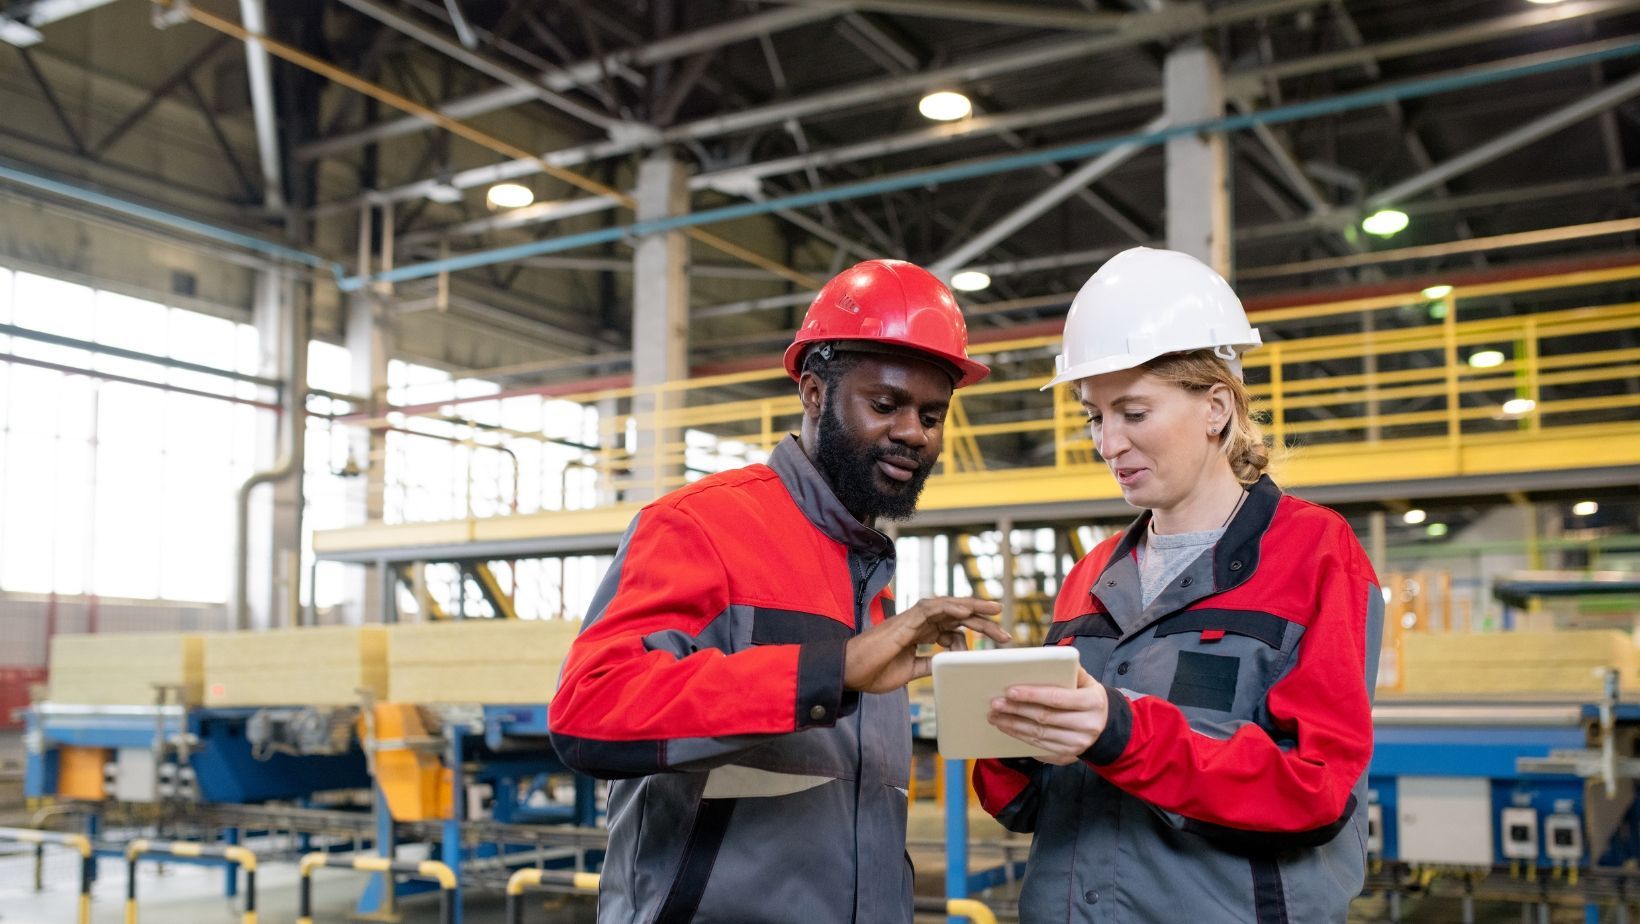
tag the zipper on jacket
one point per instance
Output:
(862, 617)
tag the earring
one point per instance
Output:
(1213, 432)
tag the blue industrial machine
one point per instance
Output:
(152, 753)
(237, 770)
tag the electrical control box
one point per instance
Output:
(1519, 827)
(135, 775)
(1445, 819)
(1563, 837)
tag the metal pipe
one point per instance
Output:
(918, 178)
(128, 380)
(261, 85)
(294, 423)
(156, 216)
(1023, 215)
(1512, 140)
(575, 75)
(12, 330)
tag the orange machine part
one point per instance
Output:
(416, 784)
(80, 773)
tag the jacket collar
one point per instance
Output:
(1233, 560)
(1235, 555)
(815, 497)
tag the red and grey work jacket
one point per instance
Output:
(1229, 784)
(707, 683)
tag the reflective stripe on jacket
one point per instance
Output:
(1229, 783)
(707, 683)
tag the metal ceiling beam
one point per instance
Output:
(744, 181)
(697, 269)
(1488, 199)
(1008, 14)
(260, 71)
(1236, 84)
(1463, 79)
(1060, 191)
(22, 29)
(1096, 255)
(506, 75)
(1512, 140)
(575, 75)
(1143, 27)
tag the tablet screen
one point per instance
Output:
(965, 682)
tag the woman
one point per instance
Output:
(1210, 765)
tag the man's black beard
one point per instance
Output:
(852, 470)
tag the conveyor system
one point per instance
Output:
(485, 802)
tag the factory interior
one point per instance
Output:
(342, 340)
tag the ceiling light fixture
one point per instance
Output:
(1414, 516)
(970, 281)
(1485, 359)
(445, 193)
(945, 106)
(509, 196)
(1437, 292)
(1515, 407)
(1585, 508)
(1385, 222)
(1435, 530)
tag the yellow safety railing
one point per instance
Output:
(228, 854)
(79, 842)
(1387, 379)
(1363, 385)
(426, 869)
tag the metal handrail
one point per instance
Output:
(428, 869)
(228, 854)
(81, 844)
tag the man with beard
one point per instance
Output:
(741, 676)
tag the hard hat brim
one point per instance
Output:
(967, 371)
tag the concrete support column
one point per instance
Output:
(1198, 191)
(274, 541)
(660, 326)
(369, 343)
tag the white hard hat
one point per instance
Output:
(1145, 303)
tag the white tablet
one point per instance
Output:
(965, 682)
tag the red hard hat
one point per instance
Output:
(894, 303)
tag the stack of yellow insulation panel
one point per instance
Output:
(122, 668)
(1563, 661)
(478, 660)
(324, 666)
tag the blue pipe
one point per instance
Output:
(1080, 151)
(167, 219)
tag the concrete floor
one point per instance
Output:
(193, 895)
(185, 894)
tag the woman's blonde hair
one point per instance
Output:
(1241, 440)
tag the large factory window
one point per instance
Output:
(108, 487)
